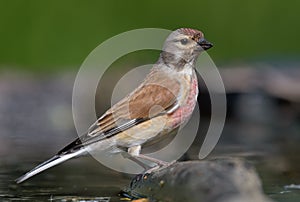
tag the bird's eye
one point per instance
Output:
(184, 41)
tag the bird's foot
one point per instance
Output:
(159, 167)
(149, 171)
(156, 161)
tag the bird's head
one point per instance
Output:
(184, 46)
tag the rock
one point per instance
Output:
(219, 180)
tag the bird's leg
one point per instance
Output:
(135, 152)
(137, 161)
(154, 160)
(160, 164)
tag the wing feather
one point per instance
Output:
(157, 90)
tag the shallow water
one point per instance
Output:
(36, 122)
(86, 180)
(78, 180)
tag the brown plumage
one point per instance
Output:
(157, 89)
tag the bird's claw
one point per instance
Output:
(160, 166)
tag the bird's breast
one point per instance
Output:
(187, 102)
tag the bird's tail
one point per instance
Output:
(55, 160)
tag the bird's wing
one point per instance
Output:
(137, 107)
(157, 95)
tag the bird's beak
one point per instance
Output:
(205, 44)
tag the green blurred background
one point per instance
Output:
(54, 35)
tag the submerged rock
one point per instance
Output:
(220, 180)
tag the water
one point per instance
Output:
(86, 180)
(79, 180)
(36, 122)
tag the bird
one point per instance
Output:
(160, 104)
